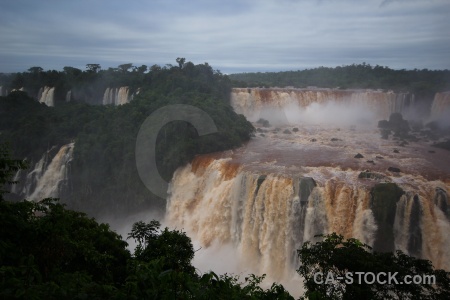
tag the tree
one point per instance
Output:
(324, 262)
(181, 61)
(125, 67)
(93, 67)
(71, 71)
(142, 69)
(35, 70)
(174, 247)
(155, 68)
(8, 167)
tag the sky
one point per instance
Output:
(231, 35)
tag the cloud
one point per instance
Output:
(233, 35)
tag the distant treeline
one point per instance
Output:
(89, 85)
(423, 83)
(103, 173)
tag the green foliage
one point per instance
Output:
(8, 167)
(338, 257)
(423, 83)
(50, 251)
(103, 171)
(174, 246)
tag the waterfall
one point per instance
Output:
(287, 185)
(252, 101)
(69, 96)
(267, 217)
(108, 96)
(48, 177)
(55, 176)
(22, 89)
(440, 109)
(46, 95)
(116, 96)
(122, 95)
(135, 94)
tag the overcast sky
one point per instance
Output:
(231, 35)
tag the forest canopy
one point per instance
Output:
(103, 170)
(422, 83)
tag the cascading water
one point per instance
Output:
(48, 177)
(116, 96)
(287, 184)
(122, 95)
(268, 217)
(46, 95)
(251, 102)
(69, 96)
(440, 108)
(108, 96)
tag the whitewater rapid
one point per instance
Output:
(299, 178)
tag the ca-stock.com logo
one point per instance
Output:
(146, 140)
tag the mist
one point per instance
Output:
(330, 113)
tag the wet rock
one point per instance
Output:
(295, 129)
(287, 131)
(259, 181)
(383, 203)
(416, 125)
(383, 124)
(372, 175)
(262, 134)
(443, 145)
(359, 155)
(313, 140)
(335, 140)
(263, 122)
(385, 133)
(371, 162)
(413, 138)
(441, 200)
(306, 185)
(396, 151)
(379, 157)
(434, 125)
(394, 170)
(403, 144)
(396, 124)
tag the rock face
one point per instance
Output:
(396, 124)
(383, 202)
(443, 145)
(393, 169)
(263, 122)
(372, 175)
